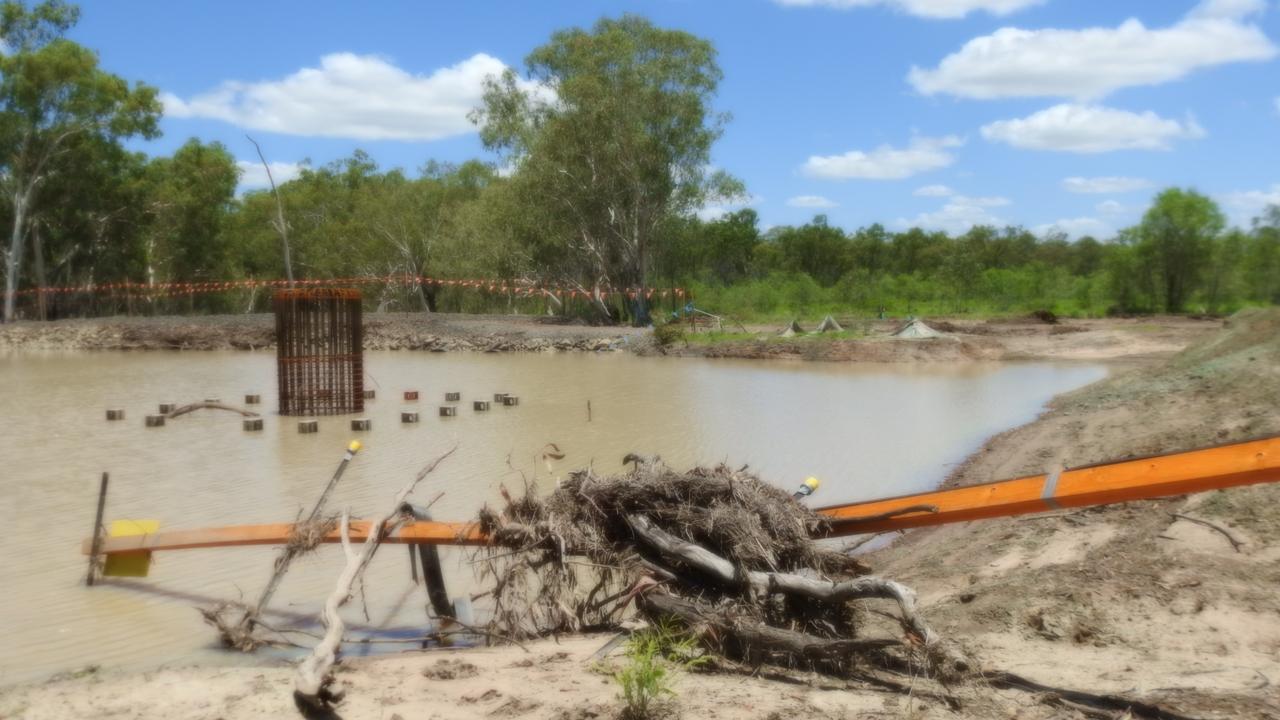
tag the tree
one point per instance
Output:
(1176, 236)
(609, 136)
(52, 92)
(818, 249)
(190, 196)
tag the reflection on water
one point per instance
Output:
(866, 430)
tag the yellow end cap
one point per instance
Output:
(812, 483)
(354, 446)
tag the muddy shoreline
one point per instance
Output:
(966, 340)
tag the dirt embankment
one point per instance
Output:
(965, 340)
(382, 331)
(1127, 598)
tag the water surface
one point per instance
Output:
(865, 430)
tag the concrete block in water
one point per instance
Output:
(499, 397)
(408, 417)
(166, 408)
(253, 423)
(410, 394)
(452, 397)
(362, 424)
(155, 421)
(510, 400)
(115, 414)
(252, 399)
(369, 394)
(308, 426)
(448, 411)
(480, 405)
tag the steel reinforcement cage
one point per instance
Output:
(319, 351)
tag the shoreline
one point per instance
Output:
(966, 340)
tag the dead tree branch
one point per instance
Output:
(312, 693)
(180, 411)
(1236, 543)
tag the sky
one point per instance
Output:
(1058, 115)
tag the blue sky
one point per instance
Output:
(943, 113)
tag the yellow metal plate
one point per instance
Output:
(129, 564)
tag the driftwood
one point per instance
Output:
(787, 583)
(306, 536)
(180, 411)
(312, 693)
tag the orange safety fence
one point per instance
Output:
(1224, 466)
(506, 287)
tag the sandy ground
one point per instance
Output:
(976, 340)
(1125, 599)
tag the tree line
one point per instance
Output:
(603, 150)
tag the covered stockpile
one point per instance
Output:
(319, 351)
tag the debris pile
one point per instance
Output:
(722, 554)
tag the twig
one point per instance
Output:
(1235, 542)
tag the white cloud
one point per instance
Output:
(958, 214)
(350, 96)
(1106, 184)
(717, 210)
(933, 191)
(1091, 129)
(1111, 207)
(1090, 63)
(935, 9)
(810, 201)
(254, 177)
(1245, 205)
(885, 162)
(1076, 228)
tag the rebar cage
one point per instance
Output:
(319, 351)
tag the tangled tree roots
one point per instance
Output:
(725, 555)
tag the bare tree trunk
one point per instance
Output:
(281, 226)
(37, 250)
(13, 258)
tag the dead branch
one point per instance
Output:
(1114, 703)
(280, 225)
(1236, 543)
(180, 411)
(312, 693)
(787, 583)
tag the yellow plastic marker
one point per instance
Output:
(354, 447)
(807, 488)
(134, 564)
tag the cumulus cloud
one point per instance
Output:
(1111, 207)
(958, 214)
(1091, 129)
(717, 210)
(933, 9)
(1245, 205)
(350, 96)
(1076, 228)
(885, 162)
(933, 191)
(1089, 63)
(1105, 184)
(254, 177)
(810, 201)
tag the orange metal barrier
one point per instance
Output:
(1246, 463)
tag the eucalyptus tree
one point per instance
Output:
(52, 92)
(609, 134)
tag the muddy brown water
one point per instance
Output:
(865, 430)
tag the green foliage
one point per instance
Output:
(653, 655)
(668, 333)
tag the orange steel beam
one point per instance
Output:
(1246, 463)
(1224, 466)
(428, 533)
